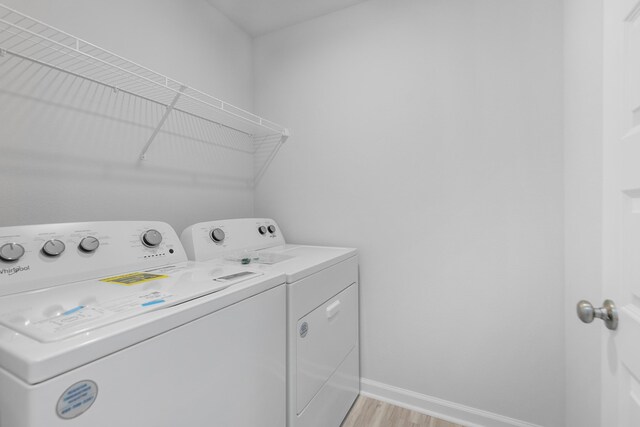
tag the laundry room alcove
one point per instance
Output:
(106, 117)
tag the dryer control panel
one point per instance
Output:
(42, 256)
(214, 239)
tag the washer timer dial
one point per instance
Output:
(53, 247)
(217, 235)
(89, 244)
(151, 238)
(11, 252)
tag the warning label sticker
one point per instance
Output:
(133, 278)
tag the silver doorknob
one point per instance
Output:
(607, 312)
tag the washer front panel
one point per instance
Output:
(234, 377)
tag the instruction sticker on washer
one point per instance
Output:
(82, 318)
(133, 278)
(135, 301)
(168, 269)
(71, 318)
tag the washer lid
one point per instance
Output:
(47, 332)
(60, 312)
(299, 261)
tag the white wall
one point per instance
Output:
(70, 152)
(429, 135)
(583, 205)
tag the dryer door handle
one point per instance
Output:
(333, 309)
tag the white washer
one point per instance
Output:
(323, 374)
(107, 324)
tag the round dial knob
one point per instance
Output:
(217, 235)
(53, 247)
(89, 244)
(151, 238)
(272, 229)
(11, 252)
(262, 229)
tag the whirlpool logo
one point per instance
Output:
(13, 270)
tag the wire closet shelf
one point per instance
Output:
(29, 39)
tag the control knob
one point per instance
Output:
(11, 252)
(272, 229)
(53, 247)
(262, 229)
(151, 238)
(217, 235)
(89, 244)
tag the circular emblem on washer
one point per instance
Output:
(304, 328)
(77, 399)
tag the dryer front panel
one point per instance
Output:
(325, 337)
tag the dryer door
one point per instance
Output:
(325, 337)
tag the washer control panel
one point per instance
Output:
(42, 256)
(214, 239)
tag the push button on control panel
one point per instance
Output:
(53, 248)
(11, 252)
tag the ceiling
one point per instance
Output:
(258, 17)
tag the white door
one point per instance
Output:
(621, 231)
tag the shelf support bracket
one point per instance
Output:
(283, 138)
(170, 107)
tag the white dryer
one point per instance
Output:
(323, 371)
(107, 324)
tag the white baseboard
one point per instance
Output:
(439, 408)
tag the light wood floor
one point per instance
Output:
(368, 412)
